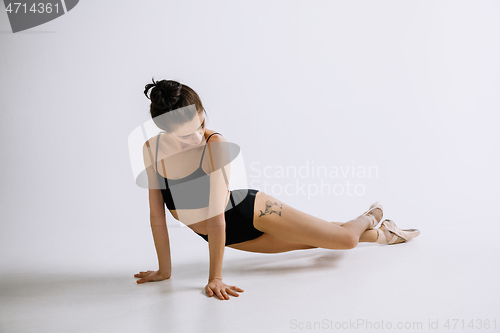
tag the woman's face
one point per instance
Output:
(192, 132)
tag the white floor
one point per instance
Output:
(444, 274)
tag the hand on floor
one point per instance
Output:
(219, 288)
(151, 276)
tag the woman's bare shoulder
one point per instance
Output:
(215, 138)
(150, 144)
(166, 146)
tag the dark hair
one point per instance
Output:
(168, 95)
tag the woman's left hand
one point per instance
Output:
(219, 288)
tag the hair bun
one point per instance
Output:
(164, 94)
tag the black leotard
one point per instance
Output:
(195, 191)
(239, 219)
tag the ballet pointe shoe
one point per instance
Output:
(401, 235)
(371, 217)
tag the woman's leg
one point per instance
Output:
(270, 244)
(279, 220)
(369, 236)
(267, 243)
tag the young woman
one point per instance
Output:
(246, 219)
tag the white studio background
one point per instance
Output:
(410, 87)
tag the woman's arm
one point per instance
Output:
(162, 244)
(216, 243)
(160, 237)
(158, 224)
(216, 225)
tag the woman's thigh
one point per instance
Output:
(267, 243)
(280, 220)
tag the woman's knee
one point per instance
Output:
(349, 240)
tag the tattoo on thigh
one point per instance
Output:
(270, 209)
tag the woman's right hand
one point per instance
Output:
(151, 276)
